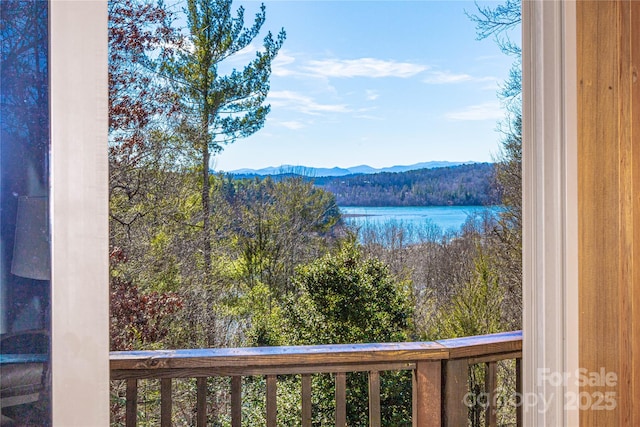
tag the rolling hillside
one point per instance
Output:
(464, 185)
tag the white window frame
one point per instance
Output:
(79, 169)
(79, 209)
(550, 216)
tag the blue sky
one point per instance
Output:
(381, 83)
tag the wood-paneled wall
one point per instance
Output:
(608, 55)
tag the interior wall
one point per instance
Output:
(609, 211)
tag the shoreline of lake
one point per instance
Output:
(447, 218)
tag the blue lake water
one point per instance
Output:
(446, 218)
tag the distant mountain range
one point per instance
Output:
(336, 171)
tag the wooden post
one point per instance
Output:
(427, 394)
(456, 387)
(608, 60)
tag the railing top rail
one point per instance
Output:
(277, 356)
(482, 345)
(318, 355)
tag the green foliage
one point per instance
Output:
(280, 225)
(288, 401)
(261, 230)
(276, 226)
(223, 106)
(148, 226)
(344, 297)
(476, 308)
(261, 314)
(217, 109)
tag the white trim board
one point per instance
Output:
(79, 209)
(550, 219)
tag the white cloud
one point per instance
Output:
(486, 111)
(294, 125)
(363, 67)
(372, 95)
(280, 64)
(303, 104)
(440, 77)
(493, 85)
(368, 117)
(250, 49)
(446, 77)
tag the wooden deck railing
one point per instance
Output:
(440, 375)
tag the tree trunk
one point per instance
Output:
(206, 203)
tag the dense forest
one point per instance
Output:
(465, 185)
(204, 260)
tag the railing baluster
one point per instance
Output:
(341, 399)
(306, 400)
(165, 402)
(201, 402)
(132, 403)
(427, 394)
(272, 413)
(518, 392)
(491, 416)
(236, 401)
(374, 399)
(456, 386)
